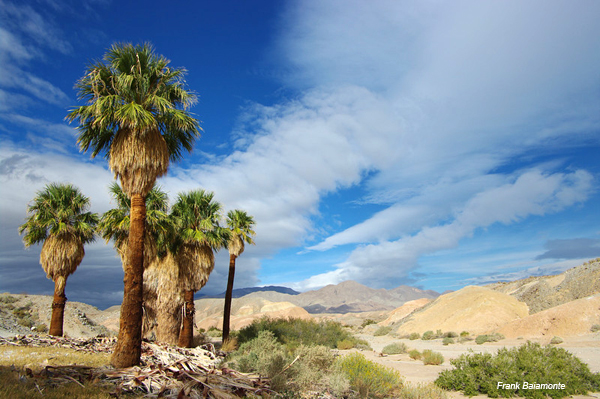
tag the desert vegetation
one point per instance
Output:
(479, 373)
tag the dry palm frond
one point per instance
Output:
(169, 300)
(61, 254)
(138, 158)
(196, 262)
(150, 251)
(236, 245)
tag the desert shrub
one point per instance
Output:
(494, 337)
(439, 333)
(450, 334)
(556, 340)
(230, 344)
(477, 373)
(428, 335)
(345, 344)
(395, 348)
(414, 354)
(447, 341)
(367, 322)
(422, 391)
(8, 299)
(464, 334)
(41, 328)
(595, 328)
(414, 336)
(384, 330)
(294, 332)
(368, 378)
(313, 363)
(431, 357)
(214, 332)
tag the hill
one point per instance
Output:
(545, 292)
(240, 292)
(474, 309)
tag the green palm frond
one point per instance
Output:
(196, 216)
(134, 88)
(59, 209)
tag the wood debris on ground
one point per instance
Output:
(165, 371)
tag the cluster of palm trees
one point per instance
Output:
(179, 249)
(136, 114)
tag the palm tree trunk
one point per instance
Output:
(129, 343)
(228, 297)
(58, 307)
(186, 337)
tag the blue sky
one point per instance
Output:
(434, 144)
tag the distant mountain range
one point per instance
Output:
(346, 297)
(240, 292)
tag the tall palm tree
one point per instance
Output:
(114, 225)
(197, 216)
(58, 217)
(240, 226)
(136, 113)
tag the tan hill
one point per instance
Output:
(404, 311)
(474, 309)
(545, 292)
(80, 320)
(209, 311)
(572, 318)
(349, 297)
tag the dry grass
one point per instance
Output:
(37, 358)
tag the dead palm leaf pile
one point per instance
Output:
(165, 371)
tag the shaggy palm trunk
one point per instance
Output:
(186, 337)
(58, 307)
(228, 296)
(129, 344)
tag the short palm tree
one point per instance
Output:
(240, 226)
(136, 113)
(196, 216)
(114, 225)
(58, 217)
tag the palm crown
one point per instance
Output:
(240, 224)
(57, 210)
(135, 114)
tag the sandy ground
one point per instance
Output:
(585, 347)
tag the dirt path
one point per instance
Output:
(586, 348)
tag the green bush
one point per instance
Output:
(481, 339)
(595, 328)
(464, 334)
(214, 332)
(294, 332)
(450, 334)
(428, 335)
(556, 340)
(414, 354)
(384, 330)
(367, 322)
(414, 336)
(480, 373)
(8, 299)
(431, 357)
(447, 341)
(368, 378)
(395, 348)
(345, 344)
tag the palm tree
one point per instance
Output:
(114, 225)
(196, 215)
(136, 113)
(58, 217)
(240, 226)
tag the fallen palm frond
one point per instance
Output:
(165, 371)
